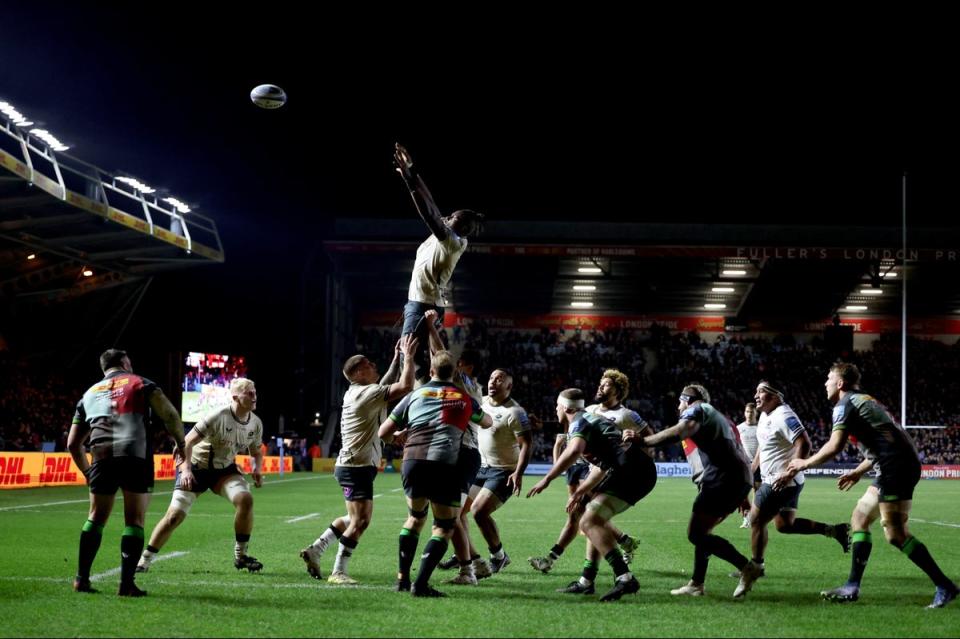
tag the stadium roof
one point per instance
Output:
(68, 228)
(795, 273)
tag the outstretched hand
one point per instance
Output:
(538, 488)
(403, 163)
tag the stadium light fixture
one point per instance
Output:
(50, 139)
(593, 270)
(871, 291)
(87, 272)
(890, 274)
(137, 184)
(177, 204)
(584, 287)
(15, 116)
(734, 271)
(722, 289)
(581, 304)
(855, 307)
(32, 256)
(714, 306)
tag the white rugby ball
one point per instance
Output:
(268, 96)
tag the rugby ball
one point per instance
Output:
(268, 96)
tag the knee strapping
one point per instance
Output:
(234, 487)
(418, 514)
(444, 524)
(182, 500)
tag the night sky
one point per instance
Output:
(518, 120)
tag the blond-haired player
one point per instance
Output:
(211, 448)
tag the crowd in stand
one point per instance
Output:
(660, 362)
(36, 407)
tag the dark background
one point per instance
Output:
(591, 119)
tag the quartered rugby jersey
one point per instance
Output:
(437, 414)
(117, 409)
(714, 452)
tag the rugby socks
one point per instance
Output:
(131, 545)
(347, 546)
(724, 550)
(713, 545)
(590, 569)
(615, 559)
(432, 554)
(327, 538)
(555, 552)
(240, 548)
(90, 537)
(701, 559)
(918, 554)
(496, 552)
(862, 545)
(408, 548)
(622, 539)
(808, 527)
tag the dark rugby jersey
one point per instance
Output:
(437, 415)
(118, 411)
(869, 423)
(603, 438)
(714, 452)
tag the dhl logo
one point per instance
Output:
(11, 471)
(443, 393)
(246, 465)
(167, 470)
(58, 471)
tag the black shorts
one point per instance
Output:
(770, 501)
(205, 479)
(632, 482)
(756, 477)
(495, 480)
(356, 481)
(577, 473)
(720, 499)
(133, 474)
(436, 481)
(896, 482)
(468, 465)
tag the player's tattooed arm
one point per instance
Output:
(682, 430)
(171, 418)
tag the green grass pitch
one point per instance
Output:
(199, 593)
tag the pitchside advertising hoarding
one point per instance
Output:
(33, 470)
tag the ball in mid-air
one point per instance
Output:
(268, 96)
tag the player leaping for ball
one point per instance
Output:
(437, 256)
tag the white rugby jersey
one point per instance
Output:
(224, 438)
(499, 447)
(364, 409)
(776, 434)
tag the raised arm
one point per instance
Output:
(422, 198)
(408, 344)
(436, 342)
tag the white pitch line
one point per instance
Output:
(113, 571)
(165, 492)
(935, 523)
(396, 490)
(296, 519)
